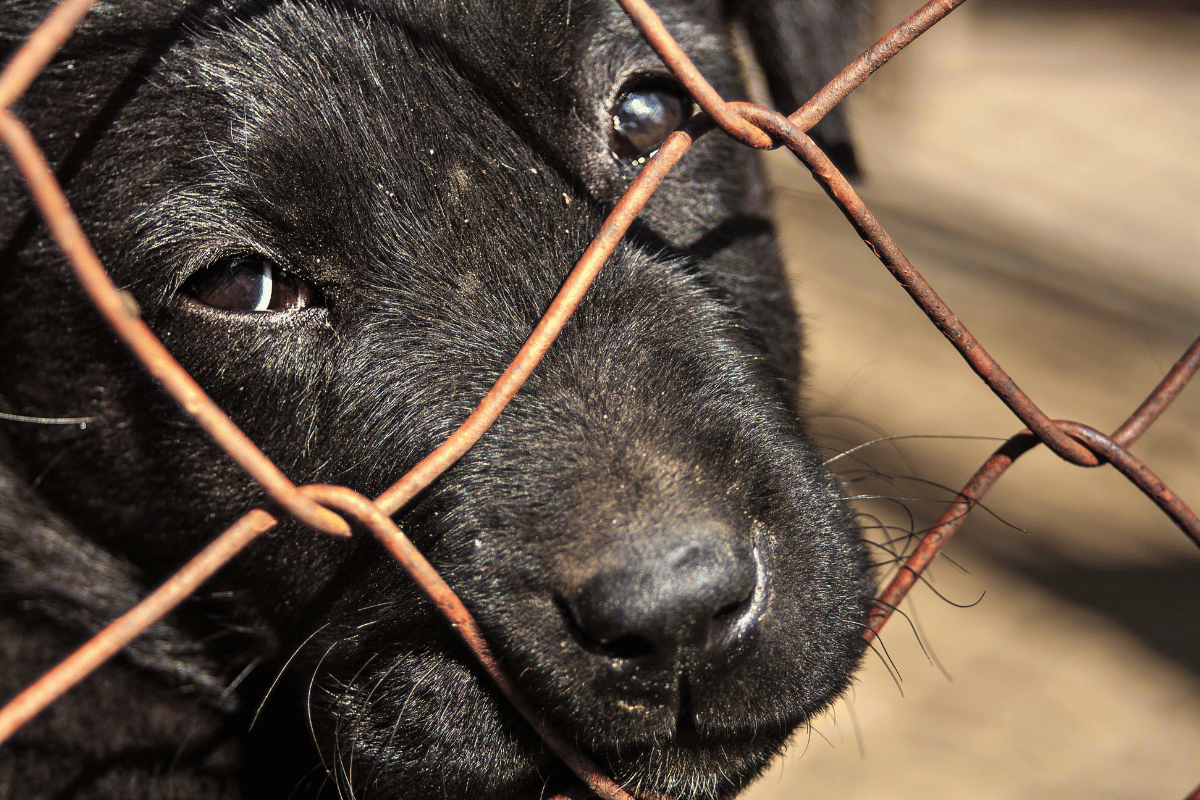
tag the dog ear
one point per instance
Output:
(800, 45)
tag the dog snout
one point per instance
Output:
(689, 601)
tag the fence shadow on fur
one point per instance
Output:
(338, 510)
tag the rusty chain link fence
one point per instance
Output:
(327, 508)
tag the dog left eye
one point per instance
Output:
(643, 118)
(249, 283)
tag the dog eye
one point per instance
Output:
(249, 283)
(644, 117)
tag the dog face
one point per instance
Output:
(344, 219)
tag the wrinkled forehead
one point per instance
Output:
(417, 77)
(420, 76)
(296, 114)
(303, 107)
(523, 58)
(504, 45)
(411, 60)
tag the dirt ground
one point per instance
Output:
(1039, 162)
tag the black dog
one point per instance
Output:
(344, 217)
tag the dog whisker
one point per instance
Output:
(82, 422)
(901, 437)
(281, 671)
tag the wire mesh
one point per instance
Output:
(327, 508)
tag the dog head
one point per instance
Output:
(344, 219)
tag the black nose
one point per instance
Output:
(693, 599)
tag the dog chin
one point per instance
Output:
(704, 771)
(502, 758)
(675, 769)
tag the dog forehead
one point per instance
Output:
(335, 60)
(527, 59)
(302, 108)
(341, 125)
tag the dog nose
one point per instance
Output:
(692, 601)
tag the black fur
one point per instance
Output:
(645, 536)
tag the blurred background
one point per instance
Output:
(1039, 162)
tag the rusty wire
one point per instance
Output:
(326, 508)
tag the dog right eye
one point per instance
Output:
(644, 117)
(249, 283)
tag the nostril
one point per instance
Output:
(620, 647)
(724, 624)
(628, 647)
(733, 608)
